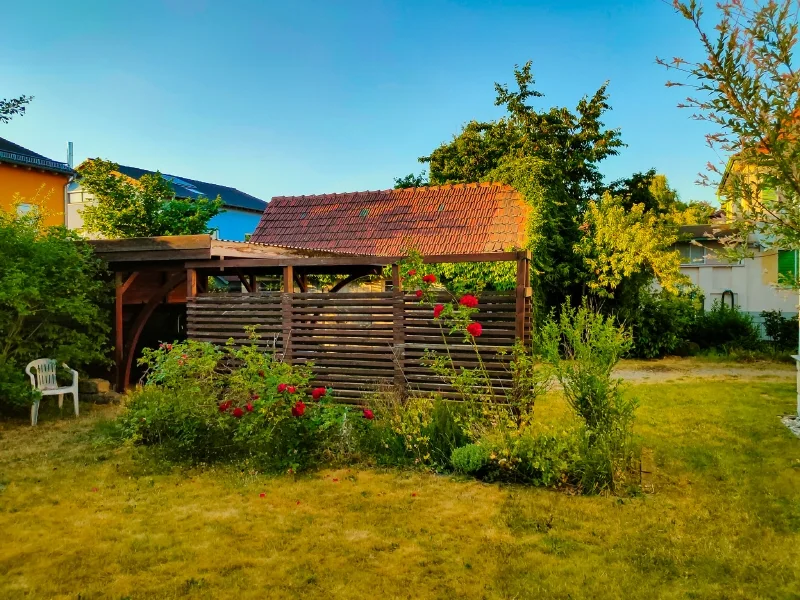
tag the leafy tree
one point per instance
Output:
(654, 192)
(574, 143)
(52, 300)
(411, 180)
(125, 208)
(747, 88)
(10, 107)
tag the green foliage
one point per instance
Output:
(16, 392)
(622, 244)
(541, 458)
(747, 87)
(53, 300)
(203, 403)
(125, 208)
(13, 107)
(584, 346)
(411, 180)
(572, 142)
(782, 331)
(725, 327)
(469, 459)
(663, 322)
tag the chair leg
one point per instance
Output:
(34, 413)
(75, 395)
(60, 401)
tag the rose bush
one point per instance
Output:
(201, 403)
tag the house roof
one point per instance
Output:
(192, 189)
(450, 219)
(16, 154)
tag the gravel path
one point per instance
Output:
(677, 369)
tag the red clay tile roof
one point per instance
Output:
(450, 219)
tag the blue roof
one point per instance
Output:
(191, 188)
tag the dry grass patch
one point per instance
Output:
(82, 517)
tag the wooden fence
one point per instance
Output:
(360, 341)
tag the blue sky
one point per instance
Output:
(300, 97)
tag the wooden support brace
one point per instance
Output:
(286, 313)
(398, 328)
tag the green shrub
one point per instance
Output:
(782, 331)
(53, 300)
(541, 458)
(584, 346)
(16, 392)
(725, 328)
(420, 431)
(662, 323)
(469, 459)
(203, 403)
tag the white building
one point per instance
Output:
(752, 284)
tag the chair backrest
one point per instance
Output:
(45, 373)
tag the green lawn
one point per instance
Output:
(720, 517)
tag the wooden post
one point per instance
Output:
(286, 312)
(118, 335)
(253, 283)
(398, 327)
(191, 284)
(523, 292)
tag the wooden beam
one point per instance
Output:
(191, 283)
(301, 281)
(288, 279)
(245, 283)
(159, 243)
(523, 292)
(396, 283)
(118, 324)
(365, 261)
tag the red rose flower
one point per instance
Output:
(238, 412)
(318, 393)
(429, 278)
(184, 356)
(255, 397)
(469, 301)
(249, 407)
(223, 406)
(298, 409)
(474, 329)
(368, 414)
(412, 272)
(262, 495)
(437, 310)
(418, 293)
(282, 387)
(291, 389)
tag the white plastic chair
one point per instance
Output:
(45, 381)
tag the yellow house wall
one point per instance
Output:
(39, 187)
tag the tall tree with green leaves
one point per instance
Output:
(125, 208)
(746, 88)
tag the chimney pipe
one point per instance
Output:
(69, 154)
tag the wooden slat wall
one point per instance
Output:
(352, 338)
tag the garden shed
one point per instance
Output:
(355, 340)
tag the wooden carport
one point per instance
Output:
(150, 272)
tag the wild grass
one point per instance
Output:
(719, 517)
